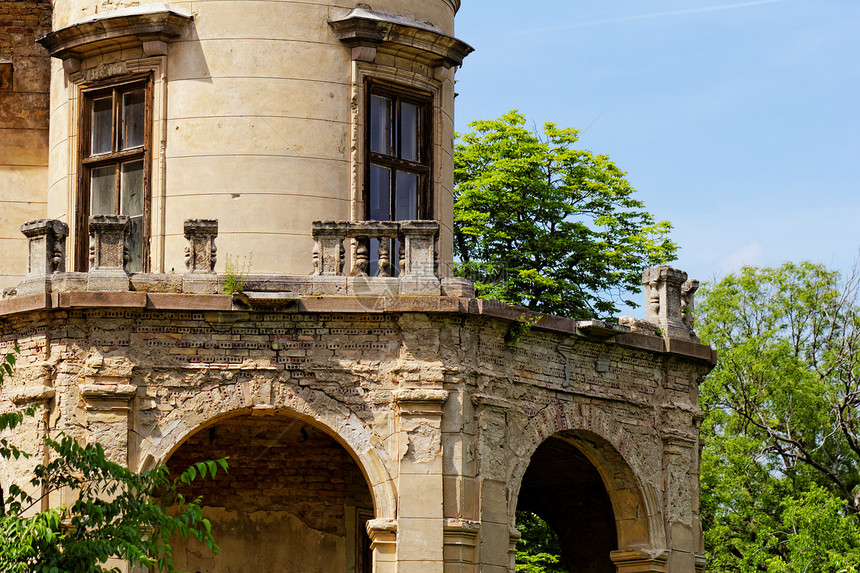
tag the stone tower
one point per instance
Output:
(238, 243)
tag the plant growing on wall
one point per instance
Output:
(236, 275)
(117, 513)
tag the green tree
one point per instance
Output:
(539, 550)
(118, 513)
(540, 224)
(780, 479)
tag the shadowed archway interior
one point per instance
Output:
(292, 500)
(564, 489)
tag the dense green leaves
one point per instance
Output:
(117, 512)
(543, 225)
(781, 464)
(539, 550)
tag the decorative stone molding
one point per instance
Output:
(46, 254)
(116, 30)
(668, 305)
(418, 267)
(398, 34)
(200, 253)
(29, 394)
(112, 396)
(383, 534)
(460, 537)
(420, 401)
(108, 253)
(640, 561)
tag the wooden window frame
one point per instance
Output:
(87, 161)
(423, 167)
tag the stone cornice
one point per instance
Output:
(116, 30)
(398, 34)
(309, 303)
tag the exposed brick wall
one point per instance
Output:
(24, 87)
(276, 464)
(22, 20)
(24, 99)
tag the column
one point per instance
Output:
(420, 519)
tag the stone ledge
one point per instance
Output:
(591, 330)
(115, 299)
(116, 30)
(363, 27)
(33, 393)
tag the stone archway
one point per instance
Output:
(577, 451)
(294, 498)
(196, 411)
(564, 489)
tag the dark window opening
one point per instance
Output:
(398, 159)
(114, 165)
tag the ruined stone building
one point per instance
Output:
(377, 417)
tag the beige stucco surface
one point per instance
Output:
(254, 125)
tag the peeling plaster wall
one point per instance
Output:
(441, 414)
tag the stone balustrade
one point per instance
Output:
(416, 256)
(411, 270)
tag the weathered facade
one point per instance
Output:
(376, 415)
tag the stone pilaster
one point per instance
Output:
(420, 521)
(108, 253)
(383, 542)
(681, 478)
(107, 405)
(46, 254)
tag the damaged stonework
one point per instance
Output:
(669, 305)
(412, 419)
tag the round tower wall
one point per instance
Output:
(255, 116)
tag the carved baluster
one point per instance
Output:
(384, 252)
(316, 259)
(402, 257)
(362, 256)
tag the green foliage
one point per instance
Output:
(543, 225)
(236, 276)
(781, 464)
(118, 513)
(538, 551)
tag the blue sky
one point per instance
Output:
(735, 120)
